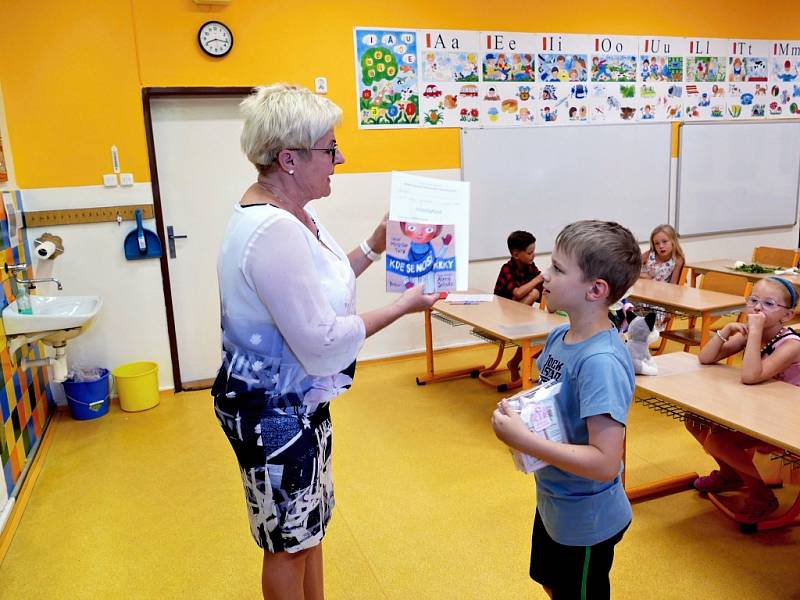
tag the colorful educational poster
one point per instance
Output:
(612, 77)
(507, 68)
(420, 254)
(428, 234)
(386, 72)
(659, 78)
(706, 73)
(784, 80)
(449, 75)
(747, 79)
(562, 71)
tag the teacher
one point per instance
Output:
(290, 332)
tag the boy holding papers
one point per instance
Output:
(582, 511)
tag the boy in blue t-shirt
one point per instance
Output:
(581, 507)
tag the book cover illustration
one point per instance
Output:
(420, 253)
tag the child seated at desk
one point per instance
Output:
(771, 350)
(519, 279)
(664, 260)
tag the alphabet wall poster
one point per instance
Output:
(747, 79)
(386, 73)
(659, 78)
(784, 75)
(612, 74)
(508, 72)
(450, 72)
(427, 239)
(706, 74)
(562, 70)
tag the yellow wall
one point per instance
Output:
(72, 72)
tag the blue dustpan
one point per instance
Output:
(141, 242)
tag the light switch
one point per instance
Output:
(110, 180)
(126, 179)
(321, 85)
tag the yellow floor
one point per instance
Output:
(149, 505)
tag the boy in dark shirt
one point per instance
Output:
(519, 279)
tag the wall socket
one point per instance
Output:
(321, 85)
(110, 180)
(126, 179)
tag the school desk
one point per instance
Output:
(715, 395)
(499, 320)
(689, 301)
(725, 265)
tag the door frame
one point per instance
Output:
(149, 93)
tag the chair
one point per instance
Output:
(717, 282)
(776, 257)
(492, 369)
(663, 342)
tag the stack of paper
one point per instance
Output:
(539, 411)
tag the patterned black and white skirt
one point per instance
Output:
(284, 454)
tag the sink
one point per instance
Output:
(51, 314)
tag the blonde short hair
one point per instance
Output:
(283, 116)
(603, 250)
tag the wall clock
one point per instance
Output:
(215, 38)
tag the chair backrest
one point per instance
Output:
(726, 282)
(778, 257)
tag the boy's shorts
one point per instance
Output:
(572, 572)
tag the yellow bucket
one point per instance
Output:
(137, 385)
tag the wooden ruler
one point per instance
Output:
(76, 216)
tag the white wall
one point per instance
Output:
(132, 323)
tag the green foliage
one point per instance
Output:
(376, 64)
(753, 268)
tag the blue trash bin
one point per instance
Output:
(88, 399)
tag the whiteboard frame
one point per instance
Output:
(758, 122)
(662, 156)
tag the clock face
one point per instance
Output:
(215, 38)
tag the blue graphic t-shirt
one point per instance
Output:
(577, 511)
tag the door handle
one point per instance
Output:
(171, 237)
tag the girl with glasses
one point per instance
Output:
(771, 350)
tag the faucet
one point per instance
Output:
(31, 283)
(19, 270)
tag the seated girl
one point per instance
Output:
(771, 350)
(664, 260)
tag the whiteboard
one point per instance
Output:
(737, 176)
(543, 178)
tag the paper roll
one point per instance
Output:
(45, 249)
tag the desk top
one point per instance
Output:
(769, 411)
(684, 299)
(725, 265)
(503, 318)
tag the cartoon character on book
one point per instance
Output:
(415, 256)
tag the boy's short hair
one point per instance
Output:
(520, 240)
(603, 250)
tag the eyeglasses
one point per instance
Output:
(766, 303)
(332, 150)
